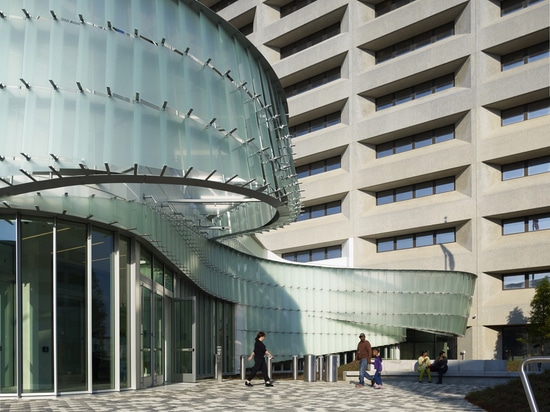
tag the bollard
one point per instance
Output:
(332, 368)
(219, 366)
(309, 368)
(270, 367)
(243, 367)
(295, 367)
(321, 367)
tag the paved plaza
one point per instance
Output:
(285, 395)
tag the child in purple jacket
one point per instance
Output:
(377, 380)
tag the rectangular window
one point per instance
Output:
(510, 6)
(526, 224)
(315, 124)
(513, 282)
(526, 168)
(321, 166)
(415, 191)
(416, 141)
(310, 40)
(416, 240)
(418, 91)
(304, 256)
(389, 5)
(523, 280)
(525, 112)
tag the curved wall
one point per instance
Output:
(115, 91)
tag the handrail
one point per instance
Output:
(525, 380)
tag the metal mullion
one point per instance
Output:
(19, 307)
(54, 305)
(89, 306)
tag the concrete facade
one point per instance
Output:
(474, 107)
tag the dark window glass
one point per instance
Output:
(415, 142)
(389, 5)
(315, 124)
(538, 109)
(294, 6)
(310, 40)
(334, 252)
(513, 115)
(403, 96)
(415, 43)
(320, 166)
(510, 6)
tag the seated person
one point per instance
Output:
(440, 366)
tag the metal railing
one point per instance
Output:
(525, 379)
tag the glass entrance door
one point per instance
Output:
(146, 341)
(152, 337)
(184, 340)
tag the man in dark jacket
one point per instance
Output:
(363, 356)
(440, 366)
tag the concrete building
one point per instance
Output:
(421, 142)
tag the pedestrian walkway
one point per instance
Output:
(285, 395)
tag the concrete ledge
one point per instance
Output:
(469, 371)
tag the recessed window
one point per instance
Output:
(390, 5)
(526, 168)
(315, 124)
(525, 112)
(415, 43)
(324, 253)
(220, 5)
(526, 224)
(320, 166)
(293, 6)
(429, 238)
(321, 210)
(510, 6)
(310, 40)
(313, 82)
(524, 280)
(416, 141)
(415, 92)
(525, 56)
(415, 191)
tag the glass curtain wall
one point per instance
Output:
(71, 316)
(125, 260)
(37, 305)
(8, 354)
(103, 336)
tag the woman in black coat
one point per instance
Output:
(259, 360)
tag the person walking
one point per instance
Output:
(377, 380)
(259, 360)
(424, 366)
(363, 356)
(440, 366)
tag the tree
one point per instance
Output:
(539, 322)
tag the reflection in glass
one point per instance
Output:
(124, 279)
(37, 297)
(145, 332)
(159, 337)
(102, 310)
(71, 307)
(8, 365)
(183, 336)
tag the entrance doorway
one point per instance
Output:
(184, 365)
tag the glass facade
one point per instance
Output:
(138, 137)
